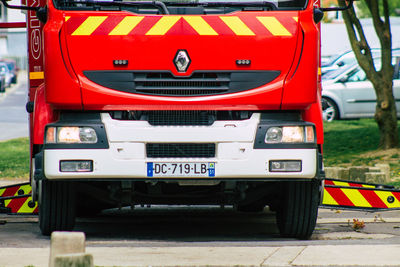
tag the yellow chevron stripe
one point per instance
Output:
(383, 195)
(274, 26)
(296, 19)
(126, 25)
(163, 25)
(200, 25)
(339, 183)
(237, 25)
(355, 196)
(67, 18)
(368, 186)
(328, 199)
(25, 208)
(89, 25)
(2, 192)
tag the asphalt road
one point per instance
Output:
(206, 226)
(208, 236)
(13, 116)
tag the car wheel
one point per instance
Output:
(56, 206)
(298, 209)
(330, 110)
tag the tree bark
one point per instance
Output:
(382, 80)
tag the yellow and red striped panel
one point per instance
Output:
(357, 195)
(18, 205)
(118, 25)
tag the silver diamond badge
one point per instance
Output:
(182, 60)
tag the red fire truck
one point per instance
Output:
(175, 102)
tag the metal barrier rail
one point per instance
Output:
(341, 194)
(17, 199)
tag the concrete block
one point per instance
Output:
(358, 173)
(337, 173)
(374, 169)
(66, 243)
(375, 177)
(385, 168)
(74, 260)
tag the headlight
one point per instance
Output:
(290, 134)
(71, 135)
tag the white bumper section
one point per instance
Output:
(126, 157)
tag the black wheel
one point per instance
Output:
(330, 110)
(56, 206)
(298, 209)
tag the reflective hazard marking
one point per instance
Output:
(89, 25)
(274, 26)
(356, 198)
(200, 25)
(237, 25)
(18, 205)
(342, 194)
(163, 25)
(36, 75)
(328, 199)
(126, 25)
(296, 19)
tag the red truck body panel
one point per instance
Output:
(72, 45)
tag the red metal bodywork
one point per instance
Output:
(67, 54)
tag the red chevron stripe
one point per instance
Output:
(355, 185)
(10, 191)
(373, 199)
(396, 195)
(329, 182)
(16, 204)
(108, 25)
(339, 196)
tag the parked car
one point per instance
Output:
(7, 73)
(2, 82)
(347, 59)
(346, 93)
(12, 66)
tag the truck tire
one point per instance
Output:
(56, 206)
(298, 210)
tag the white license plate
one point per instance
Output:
(179, 169)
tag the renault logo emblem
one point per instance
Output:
(182, 60)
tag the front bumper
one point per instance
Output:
(235, 158)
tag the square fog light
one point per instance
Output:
(76, 165)
(285, 166)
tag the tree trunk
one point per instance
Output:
(386, 116)
(382, 80)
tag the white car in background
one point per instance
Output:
(7, 74)
(347, 94)
(348, 58)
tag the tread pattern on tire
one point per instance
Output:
(298, 212)
(57, 206)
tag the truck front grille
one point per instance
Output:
(199, 83)
(177, 118)
(180, 150)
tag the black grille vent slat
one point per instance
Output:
(181, 118)
(180, 150)
(181, 92)
(199, 83)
